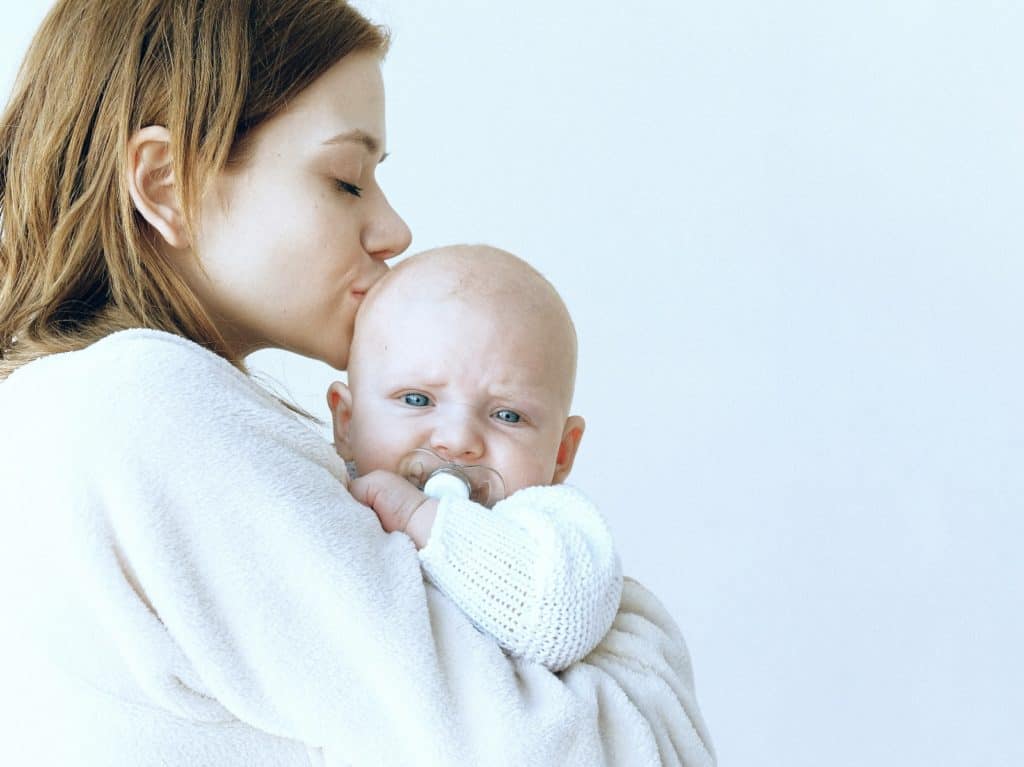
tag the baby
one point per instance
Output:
(470, 353)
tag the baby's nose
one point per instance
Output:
(458, 439)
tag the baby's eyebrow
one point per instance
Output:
(372, 143)
(530, 397)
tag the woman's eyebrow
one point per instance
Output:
(372, 143)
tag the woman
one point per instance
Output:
(186, 581)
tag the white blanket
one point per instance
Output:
(186, 582)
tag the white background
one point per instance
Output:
(790, 234)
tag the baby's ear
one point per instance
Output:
(571, 436)
(339, 400)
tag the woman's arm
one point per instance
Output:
(285, 605)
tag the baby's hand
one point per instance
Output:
(398, 504)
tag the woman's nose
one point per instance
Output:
(457, 439)
(387, 234)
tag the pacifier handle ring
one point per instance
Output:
(449, 468)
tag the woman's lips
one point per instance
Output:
(360, 291)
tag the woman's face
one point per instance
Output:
(290, 242)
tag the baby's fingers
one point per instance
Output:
(390, 496)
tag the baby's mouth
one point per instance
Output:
(438, 477)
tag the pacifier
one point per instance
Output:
(438, 478)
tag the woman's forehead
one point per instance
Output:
(344, 107)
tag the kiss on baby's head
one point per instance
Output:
(469, 352)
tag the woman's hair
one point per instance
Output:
(77, 261)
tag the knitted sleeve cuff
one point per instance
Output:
(538, 572)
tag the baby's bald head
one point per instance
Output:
(488, 282)
(468, 352)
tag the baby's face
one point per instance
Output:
(474, 384)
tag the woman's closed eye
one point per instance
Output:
(352, 189)
(416, 399)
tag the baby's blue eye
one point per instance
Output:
(416, 399)
(508, 416)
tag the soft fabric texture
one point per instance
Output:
(186, 582)
(538, 572)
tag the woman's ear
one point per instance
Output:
(571, 436)
(152, 186)
(339, 400)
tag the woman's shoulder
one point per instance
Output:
(135, 364)
(147, 342)
(136, 380)
(159, 358)
(142, 393)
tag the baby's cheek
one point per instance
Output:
(530, 473)
(378, 455)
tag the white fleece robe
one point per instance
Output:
(185, 582)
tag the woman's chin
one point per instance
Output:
(337, 358)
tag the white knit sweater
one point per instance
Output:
(185, 582)
(538, 572)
